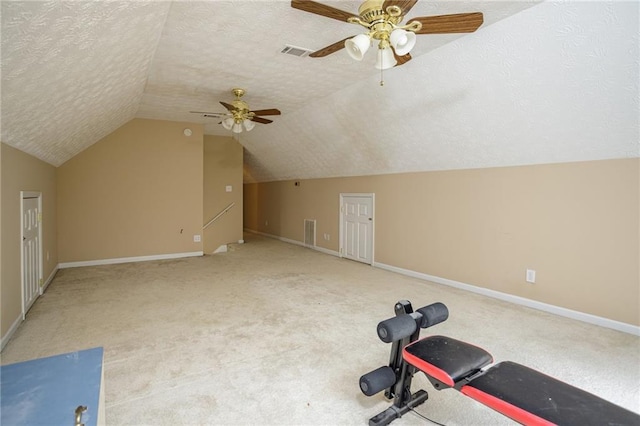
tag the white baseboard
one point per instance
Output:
(49, 279)
(12, 329)
(557, 310)
(298, 243)
(129, 259)
(18, 321)
(63, 265)
(326, 251)
(545, 307)
(222, 249)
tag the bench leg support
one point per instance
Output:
(395, 412)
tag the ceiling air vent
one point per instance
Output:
(300, 52)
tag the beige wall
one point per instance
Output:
(222, 168)
(22, 172)
(576, 224)
(137, 192)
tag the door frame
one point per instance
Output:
(23, 195)
(373, 220)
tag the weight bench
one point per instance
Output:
(518, 392)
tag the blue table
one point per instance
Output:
(47, 391)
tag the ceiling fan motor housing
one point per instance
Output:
(381, 22)
(240, 105)
(371, 11)
(241, 111)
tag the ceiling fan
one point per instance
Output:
(381, 19)
(238, 114)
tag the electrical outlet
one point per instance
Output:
(196, 238)
(531, 276)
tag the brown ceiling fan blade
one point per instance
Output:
(402, 59)
(208, 113)
(271, 111)
(333, 48)
(261, 120)
(227, 106)
(445, 24)
(321, 9)
(404, 5)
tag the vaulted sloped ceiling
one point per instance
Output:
(537, 83)
(73, 72)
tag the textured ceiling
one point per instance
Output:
(537, 83)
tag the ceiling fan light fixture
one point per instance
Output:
(227, 123)
(248, 125)
(239, 115)
(383, 21)
(386, 59)
(358, 46)
(402, 41)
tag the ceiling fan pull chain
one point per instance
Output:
(381, 77)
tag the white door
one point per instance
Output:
(30, 251)
(356, 227)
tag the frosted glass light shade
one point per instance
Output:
(227, 123)
(237, 128)
(386, 59)
(402, 41)
(357, 46)
(248, 124)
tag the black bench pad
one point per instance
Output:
(530, 397)
(445, 359)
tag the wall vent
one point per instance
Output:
(300, 52)
(309, 233)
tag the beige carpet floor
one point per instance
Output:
(271, 333)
